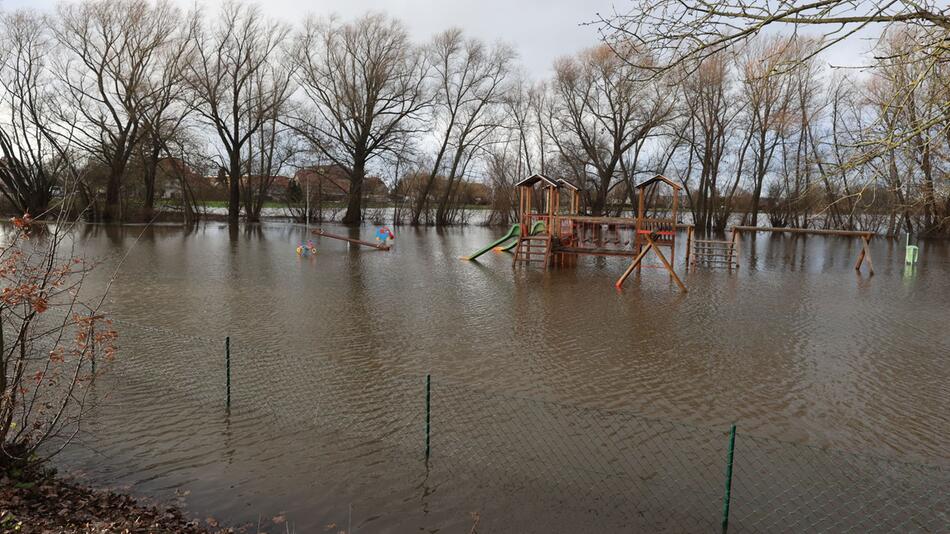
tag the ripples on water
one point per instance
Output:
(794, 346)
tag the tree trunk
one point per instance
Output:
(759, 179)
(423, 200)
(354, 204)
(234, 188)
(441, 216)
(151, 171)
(112, 209)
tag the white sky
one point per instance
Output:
(540, 30)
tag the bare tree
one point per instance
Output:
(517, 149)
(909, 91)
(269, 152)
(801, 158)
(711, 115)
(364, 89)
(48, 341)
(236, 82)
(113, 51)
(31, 158)
(601, 109)
(682, 34)
(163, 119)
(766, 87)
(469, 82)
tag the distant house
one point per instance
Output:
(375, 189)
(277, 186)
(476, 193)
(464, 191)
(329, 182)
(280, 187)
(332, 183)
(171, 173)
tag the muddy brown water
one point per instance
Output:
(329, 355)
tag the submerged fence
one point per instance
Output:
(532, 465)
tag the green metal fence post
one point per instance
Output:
(726, 498)
(428, 411)
(227, 364)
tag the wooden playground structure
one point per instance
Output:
(569, 235)
(653, 229)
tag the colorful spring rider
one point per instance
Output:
(383, 235)
(306, 249)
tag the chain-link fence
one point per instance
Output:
(528, 465)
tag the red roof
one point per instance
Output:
(330, 175)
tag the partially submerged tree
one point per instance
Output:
(237, 82)
(767, 91)
(269, 152)
(685, 34)
(364, 90)
(469, 81)
(30, 163)
(113, 51)
(163, 119)
(711, 115)
(601, 108)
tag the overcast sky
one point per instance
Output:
(540, 30)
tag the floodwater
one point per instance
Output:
(328, 357)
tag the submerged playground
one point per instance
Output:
(550, 233)
(299, 380)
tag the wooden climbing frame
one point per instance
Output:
(711, 252)
(569, 235)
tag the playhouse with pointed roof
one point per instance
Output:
(568, 234)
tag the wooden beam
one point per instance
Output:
(625, 221)
(847, 233)
(666, 264)
(633, 265)
(865, 255)
(735, 246)
(689, 243)
(651, 245)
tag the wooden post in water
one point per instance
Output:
(689, 243)
(735, 247)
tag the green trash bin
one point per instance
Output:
(910, 251)
(910, 255)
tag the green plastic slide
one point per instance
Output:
(536, 228)
(509, 245)
(512, 234)
(508, 241)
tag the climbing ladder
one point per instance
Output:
(534, 249)
(711, 253)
